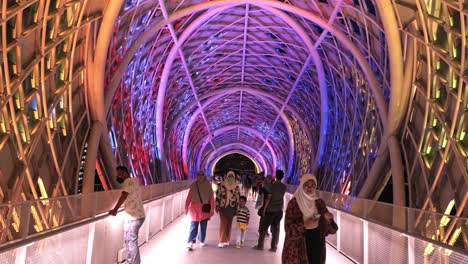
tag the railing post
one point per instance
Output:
(21, 254)
(25, 216)
(89, 250)
(411, 249)
(338, 234)
(163, 209)
(148, 223)
(365, 237)
(172, 207)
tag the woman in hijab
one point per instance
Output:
(307, 223)
(200, 193)
(227, 200)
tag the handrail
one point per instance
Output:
(382, 214)
(345, 207)
(92, 206)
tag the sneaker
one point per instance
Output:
(190, 245)
(272, 249)
(238, 245)
(226, 243)
(242, 244)
(221, 245)
(202, 244)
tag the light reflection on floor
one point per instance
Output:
(169, 246)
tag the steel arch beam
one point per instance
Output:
(95, 78)
(322, 85)
(225, 92)
(268, 98)
(315, 57)
(223, 5)
(232, 127)
(236, 146)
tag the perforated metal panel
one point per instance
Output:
(333, 239)
(155, 218)
(386, 246)
(8, 257)
(352, 237)
(67, 247)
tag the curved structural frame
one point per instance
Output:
(80, 80)
(235, 147)
(377, 94)
(226, 92)
(232, 127)
(267, 98)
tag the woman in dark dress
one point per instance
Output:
(307, 223)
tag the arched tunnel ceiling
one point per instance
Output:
(255, 65)
(166, 87)
(367, 92)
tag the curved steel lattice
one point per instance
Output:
(338, 87)
(260, 50)
(44, 113)
(434, 141)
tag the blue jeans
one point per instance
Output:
(194, 231)
(131, 228)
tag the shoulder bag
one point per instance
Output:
(206, 207)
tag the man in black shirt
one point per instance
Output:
(272, 212)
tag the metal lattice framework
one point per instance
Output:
(362, 92)
(44, 110)
(434, 140)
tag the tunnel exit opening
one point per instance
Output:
(236, 162)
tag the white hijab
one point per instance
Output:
(305, 201)
(230, 184)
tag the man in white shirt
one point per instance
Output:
(134, 212)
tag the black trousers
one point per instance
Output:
(314, 246)
(272, 219)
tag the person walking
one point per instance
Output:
(243, 217)
(272, 212)
(307, 223)
(134, 213)
(227, 200)
(200, 205)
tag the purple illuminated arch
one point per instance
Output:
(227, 128)
(374, 87)
(227, 92)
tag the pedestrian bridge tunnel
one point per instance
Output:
(294, 87)
(365, 93)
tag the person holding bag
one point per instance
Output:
(200, 205)
(227, 201)
(307, 223)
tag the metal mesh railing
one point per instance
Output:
(31, 218)
(376, 232)
(423, 224)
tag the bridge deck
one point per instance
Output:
(169, 246)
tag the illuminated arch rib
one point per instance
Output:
(230, 59)
(342, 85)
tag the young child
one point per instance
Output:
(243, 217)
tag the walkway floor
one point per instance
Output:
(169, 246)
